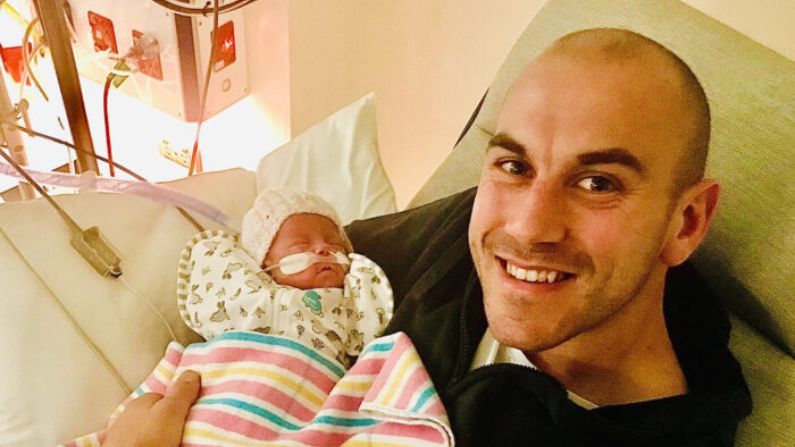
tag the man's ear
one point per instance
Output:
(689, 222)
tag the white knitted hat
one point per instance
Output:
(271, 208)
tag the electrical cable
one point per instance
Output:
(132, 173)
(26, 61)
(73, 226)
(103, 359)
(151, 306)
(203, 11)
(105, 94)
(14, 13)
(73, 147)
(195, 156)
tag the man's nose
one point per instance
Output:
(538, 214)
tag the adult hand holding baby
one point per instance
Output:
(155, 420)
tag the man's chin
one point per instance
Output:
(524, 334)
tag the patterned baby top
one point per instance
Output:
(221, 288)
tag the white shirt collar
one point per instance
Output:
(490, 352)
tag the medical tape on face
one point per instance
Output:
(298, 262)
(145, 189)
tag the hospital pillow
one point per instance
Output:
(74, 343)
(338, 160)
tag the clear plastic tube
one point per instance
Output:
(90, 182)
(298, 262)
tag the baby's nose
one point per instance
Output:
(323, 250)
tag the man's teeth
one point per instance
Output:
(539, 276)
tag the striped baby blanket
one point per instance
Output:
(262, 389)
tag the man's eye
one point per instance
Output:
(514, 167)
(597, 184)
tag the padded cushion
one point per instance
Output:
(75, 343)
(747, 258)
(338, 160)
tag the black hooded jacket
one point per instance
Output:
(424, 251)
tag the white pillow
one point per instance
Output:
(336, 159)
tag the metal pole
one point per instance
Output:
(12, 137)
(53, 23)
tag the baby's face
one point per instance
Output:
(307, 233)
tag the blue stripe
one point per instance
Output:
(427, 394)
(380, 347)
(279, 341)
(253, 409)
(344, 422)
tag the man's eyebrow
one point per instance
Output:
(505, 141)
(616, 155)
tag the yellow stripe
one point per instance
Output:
(164, 373)
(296, 388)
(354, 386)
(380, 443)
(87, 441)
(394, 385)
(198, 435)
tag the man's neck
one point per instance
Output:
(627, 359)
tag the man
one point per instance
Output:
(543, 303)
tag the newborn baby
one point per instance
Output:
(310, 287)
(284, 314)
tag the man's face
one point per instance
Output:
(574, 202)
(308, 233)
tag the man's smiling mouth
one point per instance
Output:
(534, 275)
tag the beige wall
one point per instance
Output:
(429, 62)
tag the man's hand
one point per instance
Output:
(154, 420)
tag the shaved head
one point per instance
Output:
(619, 46)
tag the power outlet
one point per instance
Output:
(178, 156)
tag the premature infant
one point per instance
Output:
(284, 314)
(310, 287)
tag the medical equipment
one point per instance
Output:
(90, 182)
(176, 76)
(298, 262)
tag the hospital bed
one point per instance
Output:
(74, 343)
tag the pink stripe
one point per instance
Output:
(235, 424)
(273, 360)
(317, 437)
(225, 420)
(437, 409)
(386, 371)
(154, 384)
(173, 355)
(343, 402)
(265, 392)
(366, 366)
(170, 362)
(415, 383)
